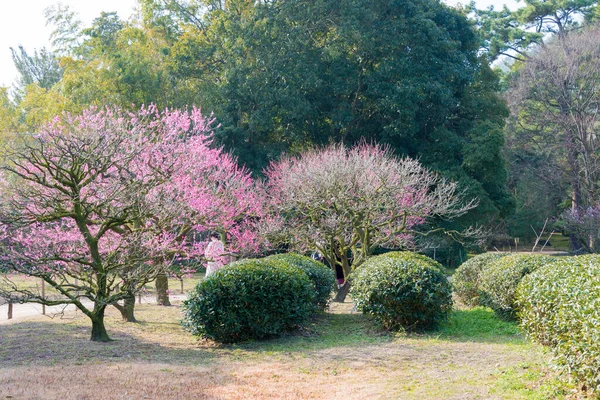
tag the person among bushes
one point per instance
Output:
(214, 253)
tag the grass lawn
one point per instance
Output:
(340, 355)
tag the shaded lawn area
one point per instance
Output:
(340, 355)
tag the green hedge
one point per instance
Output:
(560, 307)
(249, 299)
(412, 256)
(402, 291)
(466, 280)
(500, 280)
(322, 276)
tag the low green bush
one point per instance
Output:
(500, 279)
(402, 291)
(249, 299)
(466, 280)
(560, 307)
(322, 276)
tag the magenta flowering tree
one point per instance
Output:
(347, 202)
(206, 190)
(100, 204)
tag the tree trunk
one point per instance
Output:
(575, 244)
(342, 292)
(99, 333)
(573, 160)
(162, 287)
(127, 309)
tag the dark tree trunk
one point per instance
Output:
(162, 287)
(127, 309)
(99, 333)
(342, 292)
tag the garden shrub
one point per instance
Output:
(412, 256)
(249, 299)
(560, 307)
(402, 291)
(322, 276)
(500, 280)
(467, 278)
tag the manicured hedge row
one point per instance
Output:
(322, 276)
(402, 290)
(466, 281)
(249, 299)
(500, 279)
(560, 307)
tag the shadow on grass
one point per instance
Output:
(162, 340)
(329, 331)
(47, 344)
(325, 331)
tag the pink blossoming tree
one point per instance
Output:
(347, 202)
(98, 205)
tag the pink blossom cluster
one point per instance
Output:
(109, 190)
(352, 200)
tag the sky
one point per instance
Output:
(22, 22)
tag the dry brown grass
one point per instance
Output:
(156, 359)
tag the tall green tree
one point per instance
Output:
(513, 33)
(40, 68)
(114, 62)
(8, 115)
(284, 75)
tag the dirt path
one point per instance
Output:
(21, 311)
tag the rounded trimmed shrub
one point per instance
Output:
(402, 291)
(467, 278)
(249, 299)
(560, 307)
(322, 276)
(500, 280)
(412, 256)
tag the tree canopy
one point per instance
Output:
(348, 202)
(282, 76)
(555, 100)
(100, 204)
